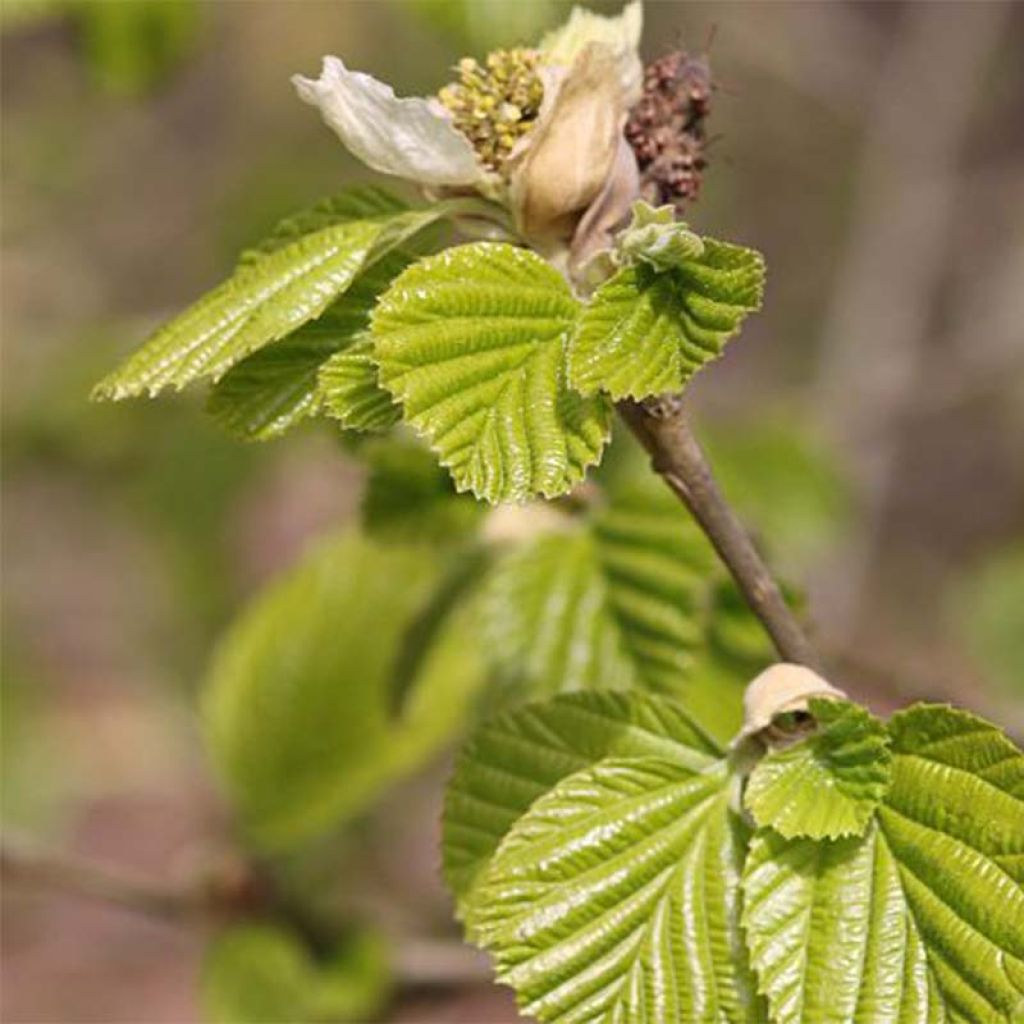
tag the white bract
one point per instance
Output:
(569, 175)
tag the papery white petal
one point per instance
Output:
(620, 34)
(405, 137)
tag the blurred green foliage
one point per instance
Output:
(988, 609)
(263, 974)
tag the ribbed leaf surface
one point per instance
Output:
(922, 919)
(827, 785)
(617, 602)
(275, 388)
(266, 299)
(351, 393)
(298, 703)
(647, 332)
(472, 342)
(514, 758)
(615, 898)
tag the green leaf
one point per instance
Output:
(922, 919)
(351, 392)
(274, 389)
(358, 202)
(617, 601)
(266, 299)
(646, 332)
(263, 974)
(298, 702)
(516, 757)
(472, 343)
(827, 785)
(616, 898)
(409, 497)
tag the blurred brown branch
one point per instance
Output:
(662, 428)
(224, 896)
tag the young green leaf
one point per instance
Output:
(265, 299)
(472, 343)
(516, 757)
(827, 785)
(616, 898)
(351, 393)
(358, 202)
(618, 601)
(646, 332)
(277, 387)
(922, 919)
(298, 703)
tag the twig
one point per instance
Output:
(237, 896)
(661, 427)
(27, 863)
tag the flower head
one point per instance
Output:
(539, 130)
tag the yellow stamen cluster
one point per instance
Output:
(494, 104)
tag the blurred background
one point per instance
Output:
(873, 413)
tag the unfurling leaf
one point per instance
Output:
(922, 919)
(646, 332)
(472, 343)
(828, 784)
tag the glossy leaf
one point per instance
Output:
(922, 919)
(616, 898)
(827, 785)
(277, 387)
(618, 600)
(350, 390)
(298, 703)
(646, 332)
(512, 759)
(266, 299)
(358, 202)
(472, 343)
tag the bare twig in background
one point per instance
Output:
(662, 429)
(238, 896)
(27, 863)
(876, 330)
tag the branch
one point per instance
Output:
(661, 427)
(234, 895)
(22, 861)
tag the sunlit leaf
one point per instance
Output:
(646, 332)
(472, 343)
(616, 898)
(828, 784)
(266, 299)
(514, 758)
(277, 387)
(922, 919)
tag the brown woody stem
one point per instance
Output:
(661, 427)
